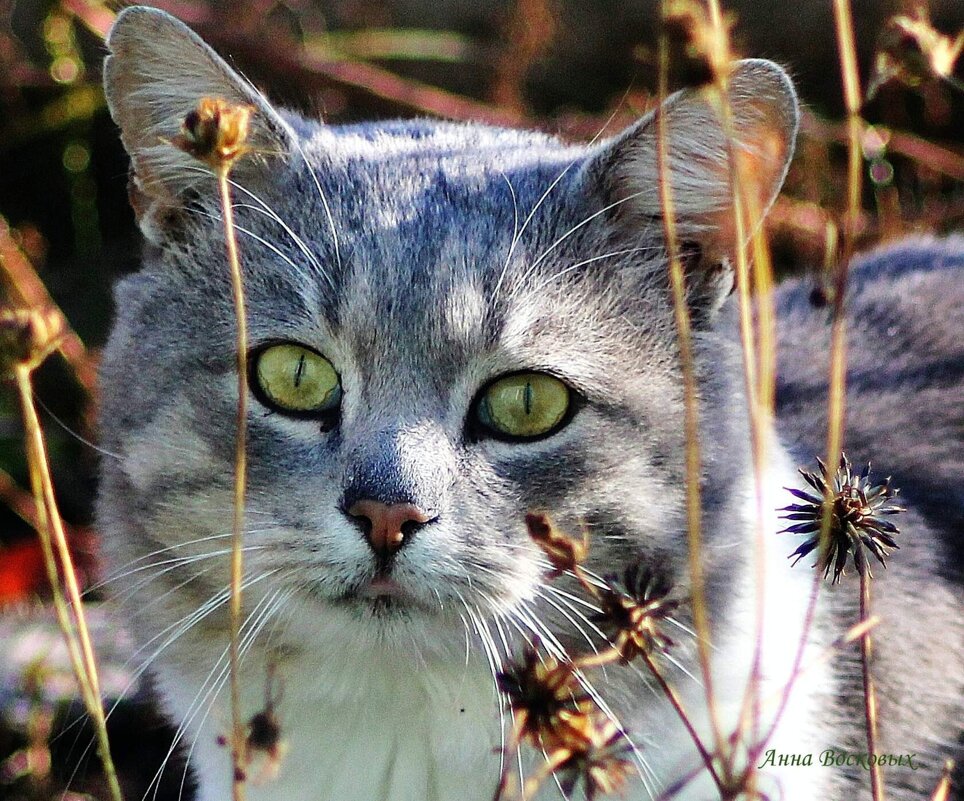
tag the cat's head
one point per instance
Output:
(450, 326)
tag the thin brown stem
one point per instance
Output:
(758, 346)
(943, 790)
(51, 532)
(691, 412)
(28, 291)
(677, 704)
(515, 738)
(240, 476)
(870, 695)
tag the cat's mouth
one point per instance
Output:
(383, 595)
(384, 587)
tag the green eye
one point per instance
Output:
(294, 379)
(524, 405)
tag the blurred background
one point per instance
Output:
(66, 232)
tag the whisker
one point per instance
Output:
(168, 564)
(273, 602)
(199, 700)
(579, 225)
(518, 234)
(184, 624)
(93, 446)
(324, 202)
(591, 260)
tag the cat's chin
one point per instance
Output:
(385, 598)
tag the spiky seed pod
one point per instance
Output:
(28, 337)
(632, 609)
(215, 132)
(563, 552)
(592, 749)
(539, 688)
(859, 509)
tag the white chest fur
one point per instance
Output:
(377, 731)
(371, 725)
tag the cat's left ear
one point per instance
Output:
(765, 118)
(156, 73)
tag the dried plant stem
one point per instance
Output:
(851, 83)
(797, 669)
(240, 476)
(870, 696)
(759, 347)
(677, 705)
(28, 291)
(531, 785)
(691, 412)
(943, 790)
(51, 532)
(513, 743)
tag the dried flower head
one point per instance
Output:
(912, 51)
(539, 689)
(694, 42)
(632, 609)
(215, 132)
(857, 517)
(587, 746)
(264, 743)
(563, 552)
(27, 337)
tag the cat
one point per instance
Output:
(452, 325)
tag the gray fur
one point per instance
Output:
(905, 413)
(423, 259)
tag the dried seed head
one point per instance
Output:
(632, 609)
(264, 745)
(592, 750)
(693, 42)
(539, 689)
(27, 337)
(215, 132)
(858, 511)
(263, 742)
(563, 552)
(912, 51)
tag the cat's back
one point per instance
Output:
(905, 372)
(905, 414)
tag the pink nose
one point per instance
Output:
(389, 524)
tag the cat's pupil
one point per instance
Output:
(524, 406)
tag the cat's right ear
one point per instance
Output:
(157, 71)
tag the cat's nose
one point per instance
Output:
(388, 526)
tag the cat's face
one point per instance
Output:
(449, 327)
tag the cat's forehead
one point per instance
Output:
(444, 232)
(412, 180)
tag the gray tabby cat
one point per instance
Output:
(452, 325)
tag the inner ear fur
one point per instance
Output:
(765, 117)
(156, 72)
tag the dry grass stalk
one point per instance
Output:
(691, 413)
(943, 790)
(27, 290)
(838, 358)
(27, 338)
(215, 133)
(758, 342)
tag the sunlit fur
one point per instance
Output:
(425, 259)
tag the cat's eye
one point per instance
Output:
(294, 379)
(524, 405)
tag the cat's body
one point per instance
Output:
(428, 262)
